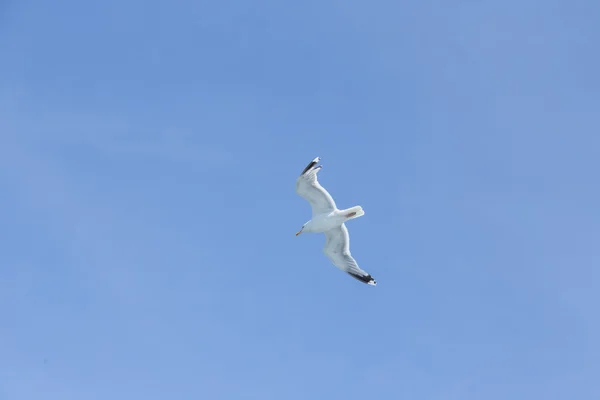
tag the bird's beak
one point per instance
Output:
(299, 232)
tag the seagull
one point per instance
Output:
(326, 218)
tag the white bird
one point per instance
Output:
(326, 218)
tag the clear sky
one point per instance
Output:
(148, 155)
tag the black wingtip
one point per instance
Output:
(368, 279)
(310, 165)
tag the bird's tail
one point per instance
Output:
(353, 212)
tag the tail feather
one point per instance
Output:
(353, 212)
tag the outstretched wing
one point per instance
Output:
(310, 189)
(337, 248)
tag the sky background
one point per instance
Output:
(148, 155)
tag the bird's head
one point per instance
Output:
(305, 227)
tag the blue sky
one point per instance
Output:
(148, 153)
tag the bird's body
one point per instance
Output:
(328, 219)
(321, 223)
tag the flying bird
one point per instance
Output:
(326, 218)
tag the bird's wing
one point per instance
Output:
(337, 248)
(310, 189)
